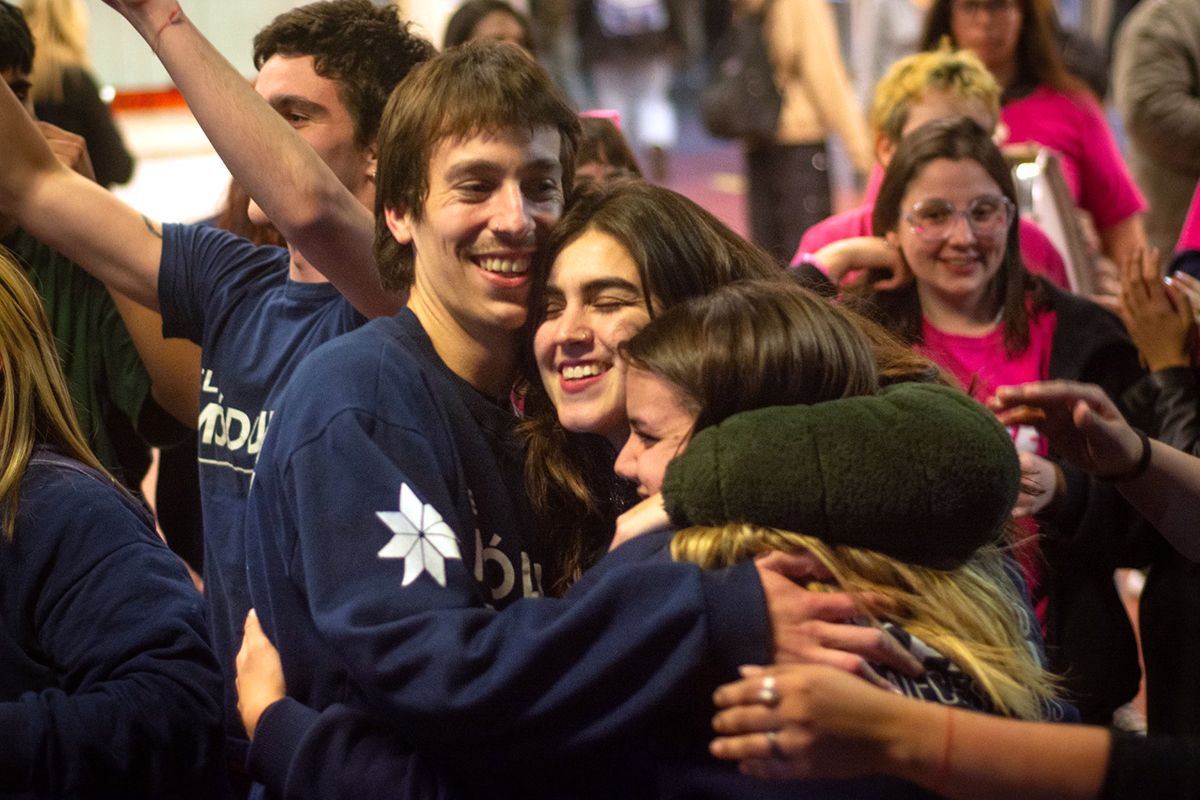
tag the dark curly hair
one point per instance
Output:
(16, 42)
(367, 49)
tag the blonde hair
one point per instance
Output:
(35, 405)
(909, 80)
(60, 31)
(967, 614)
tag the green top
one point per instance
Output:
(106, 377)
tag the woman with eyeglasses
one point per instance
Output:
(1044, 104)
(947, 205)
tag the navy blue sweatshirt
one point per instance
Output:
(108, 687)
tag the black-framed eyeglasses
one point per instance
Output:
(986, 215)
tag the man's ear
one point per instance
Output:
(399, 223)
(372, 162)
(885, 148)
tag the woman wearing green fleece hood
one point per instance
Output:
(904, 492)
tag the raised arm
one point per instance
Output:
(299, 193)
(173, 364)
(72, 214)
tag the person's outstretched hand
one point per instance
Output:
(1081, 422)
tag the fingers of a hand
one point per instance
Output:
(799, 566)
(743, 692)
(1129, 275)
(872, 644)
(735, 748)
(791, 605)
(895, 282)
(1151, 263)
(745, 718)
(1107, 300)
(900, 276)
(808, 653)
(1021, 415)
(252, 622)
(1085, 416)
(754, 753)
(1187, 282)
(1048, 394)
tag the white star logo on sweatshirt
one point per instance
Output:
(420, 538)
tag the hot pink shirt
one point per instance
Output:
(1039, 253)
(1189, 237)
(1074, 126)
(981, 365)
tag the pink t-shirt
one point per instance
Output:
(1039, 253)
(1189, 237)
(1074, 126)
(981, 365)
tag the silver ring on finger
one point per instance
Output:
(773, 747)
(768, 695)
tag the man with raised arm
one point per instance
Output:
(392, 552)
(326, 70)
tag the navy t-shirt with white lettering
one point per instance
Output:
(254, 325)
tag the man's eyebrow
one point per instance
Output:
(543, 165)
(472, 167)
(294, 102)
(483, 165)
